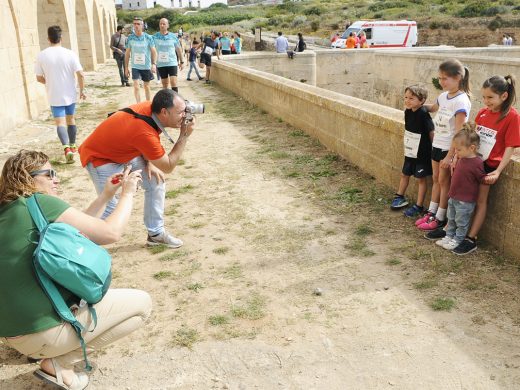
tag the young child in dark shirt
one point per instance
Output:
(467, 177)
(418, 137)
(192, 59)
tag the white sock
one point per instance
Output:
(441, 214)
(433, 207)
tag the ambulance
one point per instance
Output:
(402, 33)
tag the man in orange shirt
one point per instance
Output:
(133, 138)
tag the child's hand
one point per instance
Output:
(446, 162)
(491, 178)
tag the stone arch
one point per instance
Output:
(106, 22)
(87, 55)
(50, 13)
(99, 34)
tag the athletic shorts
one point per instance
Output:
(438, 154)
(167, 71)
(143, 74)
(416, 168)
(205, 59)
(61, 111)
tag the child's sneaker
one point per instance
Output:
(450, 245)
(432, 225)
(399, 202)
(414, 211)
(435, 234)
(443, 241)
(425, 218)
(69, 156)
(468, 245)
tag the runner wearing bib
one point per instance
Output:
(169, 55)
(141, 55)
(498, 125)
(418, 137)
(210, 46)
(452, 108)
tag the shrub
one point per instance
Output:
(492, 11)
(472, 10)
(299, 20)
(315, 25)
(495, 23)
(313, 11)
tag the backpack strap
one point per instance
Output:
(36, 213)
(148, 119)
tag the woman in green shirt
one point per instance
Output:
(29, 323)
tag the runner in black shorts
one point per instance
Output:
(210, 46)
(167, 71)
(438, 154)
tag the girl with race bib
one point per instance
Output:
(452, 108)
(498, 125)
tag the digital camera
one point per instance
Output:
(192, 109)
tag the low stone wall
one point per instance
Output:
(366, 134)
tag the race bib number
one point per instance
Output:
(208, 50)
(411, 144)
(488, 138)
(139, 59)
(164, 56)
(442, 122)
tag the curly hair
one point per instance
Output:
(15, 180)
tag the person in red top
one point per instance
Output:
(463, 194)
(125, 139)
(498, 125)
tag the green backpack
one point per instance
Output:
(64, 256)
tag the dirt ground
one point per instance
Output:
(293, 275)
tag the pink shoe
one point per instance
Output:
(434, 224)
(424, 218)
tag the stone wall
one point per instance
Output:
(367, 134)
(87, 26)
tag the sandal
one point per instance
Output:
(80, 382)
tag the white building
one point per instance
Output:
(144, 4)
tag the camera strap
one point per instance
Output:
(149, 121)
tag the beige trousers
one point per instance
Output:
(120, 312)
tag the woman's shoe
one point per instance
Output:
(79, 382)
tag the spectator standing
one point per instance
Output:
(281, 43)
(225, 44)
(169, 55)
(57, 68)
(505, 39)
(351, 41)
(140, 59)
(300, 45)
(118, 44)
(509, 40)
(238, 43)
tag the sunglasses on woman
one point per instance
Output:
(47, 172)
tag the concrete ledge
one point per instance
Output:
(366, 134)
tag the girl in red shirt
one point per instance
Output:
(498, 125)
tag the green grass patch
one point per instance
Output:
(221, 250)
(234, 271)
(197, 225)
(218, 320)
(253, 309)
(185, 337)
(425, 284)
(279, 155)
(175, 193)
(173, 255)
(349, 194)
(359, 248)
(363, 230)
(442, 304)
(156, 249)
(322, 173)
(195, 287)
(304, 159)
(298, 133)
(161, 275)
(393, 261)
